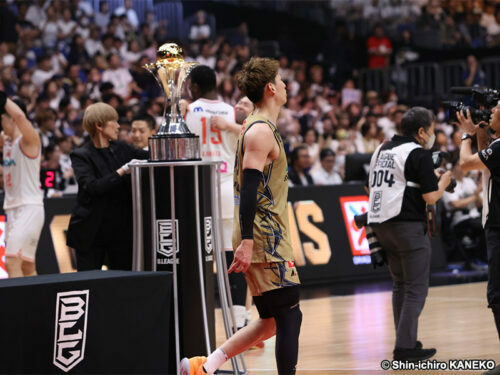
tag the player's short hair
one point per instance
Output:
(204, 77)
(255, 75)
(98, 114)
(416, 118)
(148, 119)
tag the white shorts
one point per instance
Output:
(23, 228)
(227, 199)
(227, 234)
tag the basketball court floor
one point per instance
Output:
(351, 335)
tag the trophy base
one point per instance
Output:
(174, 147)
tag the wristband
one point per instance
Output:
(248, 201)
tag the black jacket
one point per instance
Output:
(102, 193)
(294, 177)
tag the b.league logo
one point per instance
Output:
(70, 328)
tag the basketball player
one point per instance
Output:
(241, 304)
(261, 236)
(23, 203)
(214, 121)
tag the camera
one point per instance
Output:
(477, 115)
(439, 160)
(487, 98)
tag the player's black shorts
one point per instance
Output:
(272, 303)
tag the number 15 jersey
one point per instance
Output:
(216, 145)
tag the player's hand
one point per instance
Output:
(219, 122)
(242, 257)
(183, 106)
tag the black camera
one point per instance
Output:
(487, 98)
(477, 115)
(439, 160)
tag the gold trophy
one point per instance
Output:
(173, 141)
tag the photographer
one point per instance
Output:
(402, 181)
(488, 159)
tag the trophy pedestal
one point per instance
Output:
(177, 227)
(174, 147)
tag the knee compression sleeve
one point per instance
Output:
(288, 322)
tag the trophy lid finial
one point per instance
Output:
(169, 52)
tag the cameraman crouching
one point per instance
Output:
(402, 181)
(487, 159)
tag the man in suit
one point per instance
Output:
(100, 227)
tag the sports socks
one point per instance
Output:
(215, 361)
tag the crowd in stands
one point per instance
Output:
(60, 56)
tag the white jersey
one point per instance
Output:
(216, 145)
(387, 181)
(21, 176)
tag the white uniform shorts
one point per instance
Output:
(23, 228)
(227, 197)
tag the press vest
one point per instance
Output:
(387, 181)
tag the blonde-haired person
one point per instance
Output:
(261, 238)
(100, 225)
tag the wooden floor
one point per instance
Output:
(351, 335)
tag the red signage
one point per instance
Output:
(352, 206)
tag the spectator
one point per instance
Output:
(313, 147)
(50, 29)
(101, 18)
(368, 141)
(326, 175)
(46, 121)
(44, 71)
(462, 206)
(36, 13)
(118, 76)
(200, 30)
(128, 10)
(66, 27)
(206, 57)
(473, 75)
(379, 49)
(299, 164)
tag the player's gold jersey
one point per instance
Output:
(270, 229)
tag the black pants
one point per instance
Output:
(493, 249)
(115, 253)
(408, 251)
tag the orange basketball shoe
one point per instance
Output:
(193, 366)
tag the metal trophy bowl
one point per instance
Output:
(173, 141)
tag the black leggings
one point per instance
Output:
(283, 305)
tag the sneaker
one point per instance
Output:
(413, 355)
(495, 371)
(418, 345)
(193, 366)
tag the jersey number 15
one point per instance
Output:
(215, 135)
